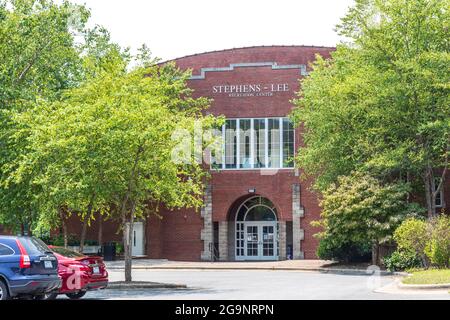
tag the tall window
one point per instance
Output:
(440, 195)
(288, 143)
(274, 142)
(217, 152)
(259, 127)
(230, 144)
(245, 157)
(257, 143)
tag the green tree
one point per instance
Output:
(43, 40)
(38, 59)
(361, 210)
(380, 105)
(113, 138)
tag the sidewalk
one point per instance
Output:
(263, 265)
(325, 266)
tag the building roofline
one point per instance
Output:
(250, 47)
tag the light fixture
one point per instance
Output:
(253, 190)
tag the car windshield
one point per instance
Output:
(34, 245)
(67, 253)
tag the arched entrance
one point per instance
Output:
(256, 230)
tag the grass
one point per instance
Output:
(432, 276)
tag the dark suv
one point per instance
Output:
(28, 268)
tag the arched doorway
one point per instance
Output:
(256, 230)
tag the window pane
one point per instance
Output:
(259, 127)
(34, 245)
(288, 144)
(438, 199)
(260, 213)
(67, 253)
(244, 143)
(274, 143)
(5, 251)
(217, 149)
(230, 144)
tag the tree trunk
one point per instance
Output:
(375, 254)
(100, 230)
(128, 225)
(128, 246)
(85, 223)
(64, 226)
(424, 261)
(83, 234)
(428, 176)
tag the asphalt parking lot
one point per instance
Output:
(261, 284)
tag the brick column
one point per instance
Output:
(282, 240)
(207, 231)
(298, 233)
(223, 240)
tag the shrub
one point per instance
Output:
(401, 260)
(438, 246)
(58, 240)
(412, 235)
(91, 243)
(348, 252)
(119, 248)
(428, 240)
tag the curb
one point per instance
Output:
(403, 286)
(322, 270)
(121, 285)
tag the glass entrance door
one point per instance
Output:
(268, 241)
(260, 241)
(252, 241)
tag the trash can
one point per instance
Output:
(109, 251)
(289, 252)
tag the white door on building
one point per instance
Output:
(260, 241)
(256, 230)
(138, 240)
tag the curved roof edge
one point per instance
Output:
(241, 48)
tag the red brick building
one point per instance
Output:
(256, 207)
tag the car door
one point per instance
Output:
(8, 259)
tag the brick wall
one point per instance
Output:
(111, 230)
(176, 236)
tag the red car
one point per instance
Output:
(79, 273)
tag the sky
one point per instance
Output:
(175, 28)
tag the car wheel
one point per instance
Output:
(47, 296)
(4, 294)
(76, 296)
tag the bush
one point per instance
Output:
(72, 240)
(348, 252)
(438, 246)
(91, 243)
(412, 235)
(428, 240)
(119, 248)
(402, 260)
